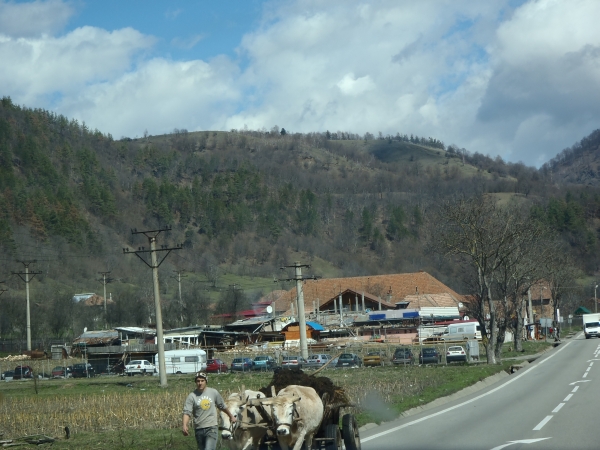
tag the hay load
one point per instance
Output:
(333, 396)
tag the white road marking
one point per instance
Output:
(593, 359)
(557, 409)
(580, 381)
(575, 389)
(585, 375)
(588, 369)
(523, 441)
(591, 364)
(522, 373)
(568, 397)
(540, 425)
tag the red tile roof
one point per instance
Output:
(391, 288)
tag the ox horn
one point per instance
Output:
(273, 393)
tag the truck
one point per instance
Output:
(462, 330)
(183, 361)
(591, 325)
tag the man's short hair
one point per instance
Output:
(201, 375)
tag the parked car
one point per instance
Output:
(241, 365)
(59, 372)
(293, 362)
(429, 356)
(349, 360)
(264, 363)
(374, 359)
(456, 353)
(316, 361)
(8, 375)
(22, 372)
(140, 366)
(404, 356)
(216, 366)
(83, 371)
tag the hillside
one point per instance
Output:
(242, 204)
(578, 164)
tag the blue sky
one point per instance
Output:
(515, 78)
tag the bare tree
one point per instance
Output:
(482, 236)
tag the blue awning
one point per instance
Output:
(315, 326)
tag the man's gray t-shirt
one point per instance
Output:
(201, 406)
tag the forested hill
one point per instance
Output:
(579, 164)
(242, 203)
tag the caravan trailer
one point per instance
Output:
(462, 330)
(183, 361)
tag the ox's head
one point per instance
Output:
(283, 412)
(236, 404)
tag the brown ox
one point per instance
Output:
(242, 438)
(297, 412)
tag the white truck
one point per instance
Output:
(591, 325)
(462, 330)
(183, 361)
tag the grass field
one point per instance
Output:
(112, 412)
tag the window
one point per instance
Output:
(175, 359)
(460, 330)
(192, 359)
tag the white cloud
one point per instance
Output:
(350, 85)
(44, 66)
(159, 95)
(33, 18)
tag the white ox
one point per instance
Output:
(297, 412)
(241, 438)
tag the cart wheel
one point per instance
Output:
(350, 432)
(332, 433)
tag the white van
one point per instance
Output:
(461, 331)
(183, 361)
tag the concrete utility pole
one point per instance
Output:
(300, 300)
(26, 280)
(104, 282)
(595, 301)
(154, 265)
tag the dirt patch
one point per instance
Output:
(322, 385)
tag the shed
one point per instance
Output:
(581, 310)
(292, 331)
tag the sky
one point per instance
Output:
(518, 79)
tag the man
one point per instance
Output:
(202, 405)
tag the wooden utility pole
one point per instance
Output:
(105, 281)
(154, 265)
(300, 301)
(26, 280)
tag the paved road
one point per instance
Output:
(553, 403)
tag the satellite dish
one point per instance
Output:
(269, 309)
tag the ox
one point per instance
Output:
(297, 412)
(242, 438)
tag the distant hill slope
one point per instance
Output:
(579, 164)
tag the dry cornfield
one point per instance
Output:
(146, 406)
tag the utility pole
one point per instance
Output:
(300, 300)
(26, 280)
(154, 265)
(178, 278)
(235, 298)
(595, 301)
(104, 281)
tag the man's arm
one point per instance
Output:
(224, 408)
(186, 421)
